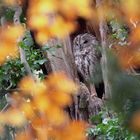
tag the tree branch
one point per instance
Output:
(18, 11)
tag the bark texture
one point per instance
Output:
(84, 105)
(104, 42)
(61, 59)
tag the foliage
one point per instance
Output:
(125, 89)
(35, 102)
(10, 73)
(39, 105)
(64, 14)
(110, 127)
(119, 31)
(13, 70)
(34, 56)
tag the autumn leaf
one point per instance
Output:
(62, 83)
(9, 42)
(135, 122)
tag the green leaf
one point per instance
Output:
(40, 61)
(45, 48)
(58, 46)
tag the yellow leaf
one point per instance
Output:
(60, 82)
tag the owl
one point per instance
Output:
(87, 56)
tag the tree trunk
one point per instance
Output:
(84, 105)
(61, 59)
(103, 32)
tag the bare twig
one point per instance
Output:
(18, 11)
(4, 92)
(2, 21)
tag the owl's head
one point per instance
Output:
(82, 41)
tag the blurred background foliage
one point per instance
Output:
(110, 127)
(124, 120)
(13, 70)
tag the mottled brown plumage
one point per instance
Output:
(85, 54)
(87, 57)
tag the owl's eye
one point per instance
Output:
(77, 43)
(86, 41)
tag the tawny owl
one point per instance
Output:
(87, 57)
